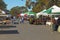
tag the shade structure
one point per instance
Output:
(22, 14)
(44, 14)
(41, 13)
(54, 10)
(30, 13)
(27, 13)
(48, 11)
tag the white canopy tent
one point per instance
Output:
(41, 13)
(55, 9)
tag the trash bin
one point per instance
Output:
(54, 27)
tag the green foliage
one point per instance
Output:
(14, 11)
(2, 5)
(37, 8)
(53, 2)
(23, 9)
(43, 4)
(17, 10)
(40, 6)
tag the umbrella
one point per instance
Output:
(25, 15)
(20, 14)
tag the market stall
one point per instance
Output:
(30, 13)
(41, 13)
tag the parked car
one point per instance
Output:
(16, 21)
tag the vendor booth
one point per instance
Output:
(41, 13)
(30, 13)
(53, 12)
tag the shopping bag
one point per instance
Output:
(58, 29)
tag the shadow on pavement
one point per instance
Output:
(9, 32)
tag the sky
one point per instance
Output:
(13, 3)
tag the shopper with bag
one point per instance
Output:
(55, 25)
(58, 22)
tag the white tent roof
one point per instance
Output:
(40, 13)
(55, 9)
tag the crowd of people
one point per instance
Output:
(19, 19)
(55, 25)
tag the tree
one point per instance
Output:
(2, 5)
(53, 2)
(37, 8)
(17, 10)
(28, 4)
(38, 5)
(23, 9)
(43, 4)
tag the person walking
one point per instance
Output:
(58, 21)
(22, 20)
(55, 25)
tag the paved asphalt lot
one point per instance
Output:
(30, 32)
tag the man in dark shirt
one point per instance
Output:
(58, 21)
